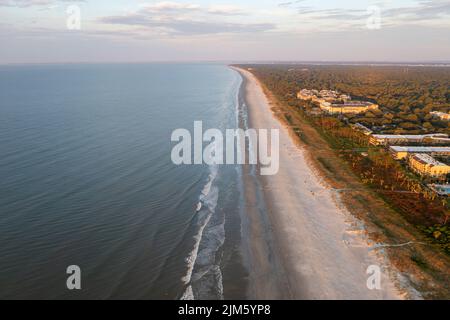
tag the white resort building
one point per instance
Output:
(441, 115)
(426, 165)
(400, 153)
(351, 107)
(390, 139)
(322, 95)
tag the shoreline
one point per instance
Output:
(300, 236)
(260, 258)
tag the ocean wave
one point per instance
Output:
(205, 208)
(204, 275)
(188, 294)
(203, 219)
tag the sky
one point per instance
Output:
(70, 31)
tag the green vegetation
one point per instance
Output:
(440, 234)
(406, 96)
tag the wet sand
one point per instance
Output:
(300, 243)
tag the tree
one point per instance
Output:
(428, 126)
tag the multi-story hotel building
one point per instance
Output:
(426, 165)
(391, 139)
(348, 107)
(400, 153)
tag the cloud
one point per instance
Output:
(425, 10)
(168, 6)
(24, 3)
(334, 14)
(31, 3)
(289, 3)
(226, 10)
(187, 19)
(165, 31)
(186, 27)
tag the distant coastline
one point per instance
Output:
(350, 63)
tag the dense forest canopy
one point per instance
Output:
(406, 94)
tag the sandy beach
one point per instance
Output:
(301, 242)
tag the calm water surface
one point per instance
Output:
(86, 179)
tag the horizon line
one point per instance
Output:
(231, 62)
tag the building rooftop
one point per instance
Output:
(427, 159)
(409, 136)
(420, 149)
(360, 126)
(439, 113)
(352, 104)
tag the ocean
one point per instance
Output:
(86, 179)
